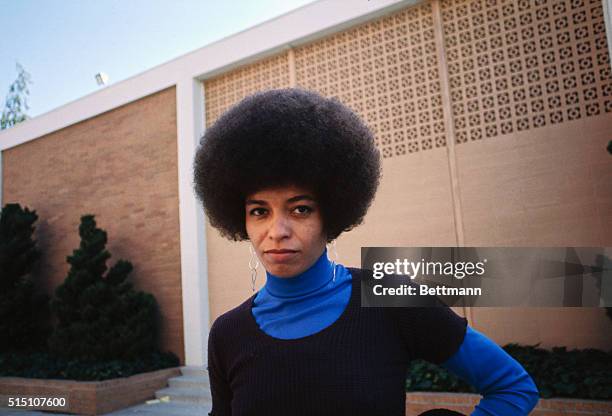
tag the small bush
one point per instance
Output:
(585, 374)
(100, 316)
(560, 373)
(425, 376)
(23, 310)
(105, 328)
(45, 366)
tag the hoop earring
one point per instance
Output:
(331, 248)
(253, 265)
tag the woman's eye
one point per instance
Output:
(257, 212)
(302, 209)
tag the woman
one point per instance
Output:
(290, 171)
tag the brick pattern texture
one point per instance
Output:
(120, 166)
(464, 403)
(90, 397)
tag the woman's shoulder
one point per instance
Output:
(234, 319)
(356, 273)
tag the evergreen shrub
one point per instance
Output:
(585, 374)
(100, 315)
(44, 365)
(23, 309)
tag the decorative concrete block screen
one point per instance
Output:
(229, 88)
(491, 67)
(520, 65)
(387, 71)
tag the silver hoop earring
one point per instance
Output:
(253, 265)
(331, 248)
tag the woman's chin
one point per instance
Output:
(283, 270)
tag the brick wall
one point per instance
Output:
(89, 397)
(122, 167)
(464, 403)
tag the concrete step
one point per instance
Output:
(196, 396)
(190, 382)
(164, 409)
(194, 371)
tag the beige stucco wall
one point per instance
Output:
(546, 187)
(120, 166)
(522, 91)
(413, 207)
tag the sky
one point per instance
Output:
(64, 43)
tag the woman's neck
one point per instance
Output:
(313, 278)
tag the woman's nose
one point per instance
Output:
(280, 227)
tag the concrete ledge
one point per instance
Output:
(89, 397)
(465, 403)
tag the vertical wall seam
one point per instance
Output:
(450, 132)
(291, 61)
(448, 119)
(607, 12)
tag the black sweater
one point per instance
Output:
(356, 366)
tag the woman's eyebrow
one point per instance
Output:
(254, 202)
(301, 198)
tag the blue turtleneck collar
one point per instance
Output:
(312, 279)
(298, 306)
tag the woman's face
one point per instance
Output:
(286, 229)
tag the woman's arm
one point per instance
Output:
(438, 335)
(221, 394)
(219, 387)
(506, 387)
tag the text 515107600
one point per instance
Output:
(37, 402)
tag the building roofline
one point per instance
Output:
(297, 27)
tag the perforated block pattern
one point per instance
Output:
(524, 64)
(229, 88)
(387, 71)
(512, 65)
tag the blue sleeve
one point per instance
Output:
(506, 387)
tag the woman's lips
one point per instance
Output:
(280, 256)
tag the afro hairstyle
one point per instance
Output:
(287, 137)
